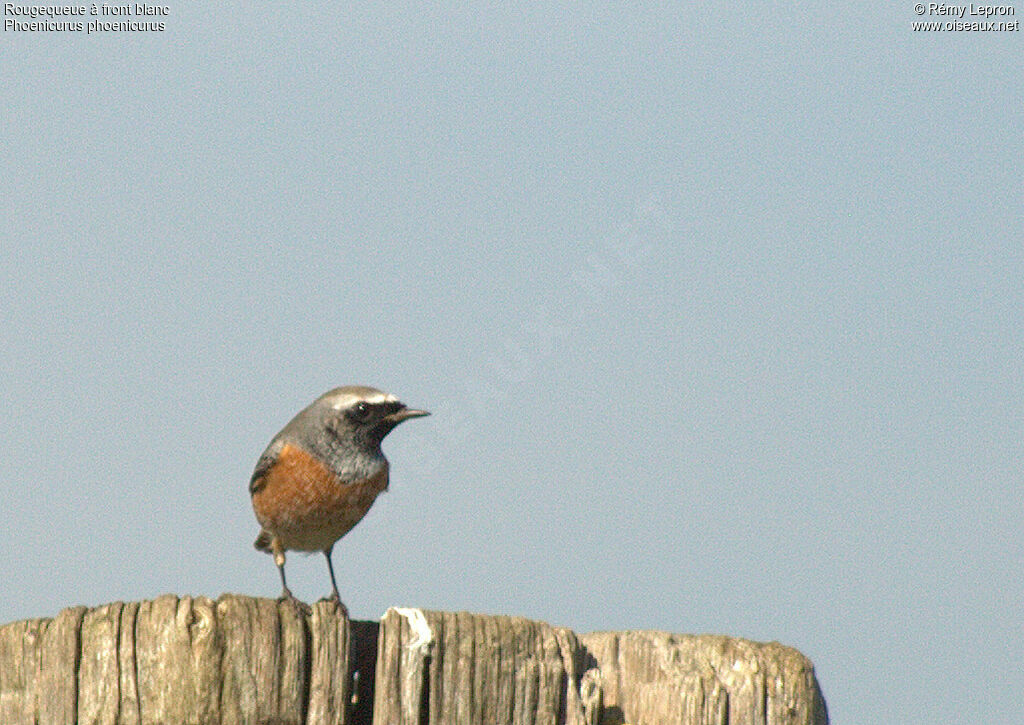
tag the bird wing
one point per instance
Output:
(263, 466)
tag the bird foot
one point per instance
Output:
(340, 605)
(301, 609)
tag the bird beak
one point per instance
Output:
(405, 413)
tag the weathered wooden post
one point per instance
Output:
(442, 667)
(242, 660)
(171, 660)
(445, 667)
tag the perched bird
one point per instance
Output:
(321, 473)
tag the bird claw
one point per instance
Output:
(301, 609)
(339, 605)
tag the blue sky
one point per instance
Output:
(719, 314)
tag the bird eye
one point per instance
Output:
(360, 410)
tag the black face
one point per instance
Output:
(363, 413)
(372, 421)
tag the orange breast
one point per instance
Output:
(304, 504)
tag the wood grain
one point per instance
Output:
(241, 660)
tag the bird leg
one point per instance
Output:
(300, 608)
(335, 597)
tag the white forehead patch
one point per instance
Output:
(346, 398)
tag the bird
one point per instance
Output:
(321, 473)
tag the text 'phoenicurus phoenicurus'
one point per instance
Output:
(321, 473)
